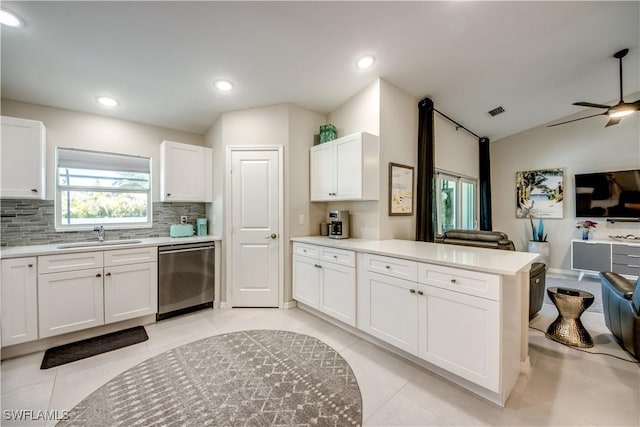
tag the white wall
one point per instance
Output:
(360, 113)
(456, 150)
(580, 147)
(72, 129)
(398, 144)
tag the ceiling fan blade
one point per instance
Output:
(575, 120)
(612, 122)
(591, 104)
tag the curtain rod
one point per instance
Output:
(455, 123)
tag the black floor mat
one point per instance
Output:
(67, 353)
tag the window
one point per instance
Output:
(94, 188)
(456, 202)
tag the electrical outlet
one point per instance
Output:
(183, 219)
(301, 219)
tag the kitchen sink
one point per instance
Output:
(99, 244)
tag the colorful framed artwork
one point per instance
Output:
(539, 193)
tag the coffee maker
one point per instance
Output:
(339, 221)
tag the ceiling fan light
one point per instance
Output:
(622, 111)
(10, 19)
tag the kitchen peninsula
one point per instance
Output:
(458, 311)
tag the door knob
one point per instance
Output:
(273, 236)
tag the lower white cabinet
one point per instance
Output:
(130, 291)
(439, 318)
(388, 309)
(19, 282)
(328, 286)
(70, 301)
(123, 284)
(460, 333)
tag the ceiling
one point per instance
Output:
(159, 59)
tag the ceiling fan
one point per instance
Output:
(615, 112)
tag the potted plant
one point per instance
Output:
(538, 244)
(585, 226)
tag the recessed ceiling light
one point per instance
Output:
(107, 101)
(224, 85)
(10, 19)
(365, 62)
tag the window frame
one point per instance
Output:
(60, 226)
(459, 179)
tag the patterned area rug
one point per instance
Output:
(248, 378)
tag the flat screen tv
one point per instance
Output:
(608, 194)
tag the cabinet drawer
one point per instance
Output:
(394, 267)
(625, 250)
(305, 250)
(130, 256)
(338, 256)
(69, 262)
(630, 270)
(463, 281)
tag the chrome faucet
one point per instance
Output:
(100, 230)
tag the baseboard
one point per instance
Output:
(289, 305)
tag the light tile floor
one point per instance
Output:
(566, 387)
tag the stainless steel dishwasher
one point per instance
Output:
(185, 278)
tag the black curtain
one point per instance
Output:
(485, 184)
(425, 212)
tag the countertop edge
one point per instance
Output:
(368, 246)
(52, 249)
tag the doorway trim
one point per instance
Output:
(227, 214)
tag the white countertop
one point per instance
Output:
(36, 250)
(467, 257)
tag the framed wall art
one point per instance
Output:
(400, 189)
(539, 193)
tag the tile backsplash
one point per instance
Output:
(31, 222)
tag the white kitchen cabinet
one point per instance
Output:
(130, 283)
(19, 300)
(460, 333)
(130, 291)
(23, 159)
(186, 172)
(86, 289)
(325, 279)
(388, 309)
(306, 280)
(346, 168)
(70, 301)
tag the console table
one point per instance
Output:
(594, 256)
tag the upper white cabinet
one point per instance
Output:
(185, 172)
(346, 168)
(23, 159)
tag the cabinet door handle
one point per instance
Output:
(413, 291)
(317, 266)
(34, 190)
(453, 280)
(388, 267)
(98, 275)
(168, 194)
(108, 274)
(29, 265)
(420, 293)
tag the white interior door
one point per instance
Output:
(255, 234)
